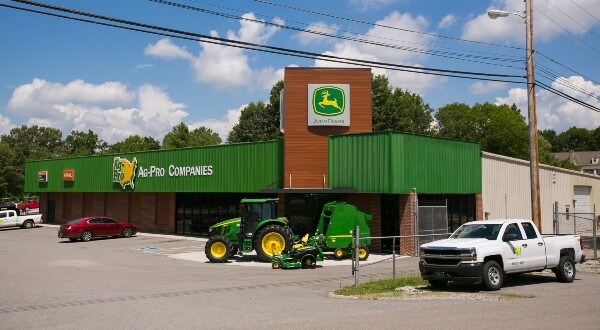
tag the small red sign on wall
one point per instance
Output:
(68, 175)
(43, 176)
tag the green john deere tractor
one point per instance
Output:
(258, 229)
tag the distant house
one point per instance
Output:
(589, 161)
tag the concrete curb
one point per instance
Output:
(337, 296)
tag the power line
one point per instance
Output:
(564, 82)
(355, 33)
(571, 18)
(576, 4)
(547, 58)
(565, 38)
(263, 48)
(450, 55)
(139, 27)
(569, 32)
(382, 25)
(566, 96)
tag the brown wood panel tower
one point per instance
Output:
(306, 147)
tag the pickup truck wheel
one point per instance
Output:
(28, 224)
(86, 236)
(492, 276)
(565, 272)
(438, 284)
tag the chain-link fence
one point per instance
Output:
(579, 223)
(431, 219)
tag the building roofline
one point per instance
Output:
(490, 155)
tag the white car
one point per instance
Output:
(485, 251)
(9, 218)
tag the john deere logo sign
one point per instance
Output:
(124, 172)
(328, 105)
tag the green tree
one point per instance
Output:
(545, 156)
(22, 144)
(498, 129)
(578, 139)
(134, 143)
(181, 137)
(551, 137)
(259, 121)
(34, 142)
(11, 178)
(399, 110)
(83, 144)
(203, 136)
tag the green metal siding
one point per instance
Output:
(395, 163)
(246, 167)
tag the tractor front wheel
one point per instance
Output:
(218, 249)
(339, 253)
(272, 240)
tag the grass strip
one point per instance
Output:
(381, 286)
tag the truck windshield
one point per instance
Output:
(487, 231)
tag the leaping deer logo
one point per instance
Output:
(327, 101)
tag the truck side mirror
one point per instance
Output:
(509, 237)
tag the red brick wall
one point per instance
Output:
(370, 204)
(407, 223)
(478, 207)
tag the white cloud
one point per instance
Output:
(486, 87)
(412, 81)
(306, 38)
(447, 21)
(554, 112)
(268, 77)
(110, 109)
(364, 5)
(34, 97)
(5, 125)
(224, 125)
(482, 28)
(166, 50)
(222, 66)
(143, 66)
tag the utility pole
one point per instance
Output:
(533, 133)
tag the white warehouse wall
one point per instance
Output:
(506, 189)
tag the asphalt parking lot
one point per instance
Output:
(162, 282)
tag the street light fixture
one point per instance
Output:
(533, 136)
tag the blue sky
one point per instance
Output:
(73, 75)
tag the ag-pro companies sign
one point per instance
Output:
(125, 171)
(328, 105)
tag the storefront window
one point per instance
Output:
(196, 212)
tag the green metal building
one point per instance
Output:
(184, 191)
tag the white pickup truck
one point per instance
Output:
(485, 251)
(10, 218)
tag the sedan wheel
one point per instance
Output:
(86, 236)
(127, 232)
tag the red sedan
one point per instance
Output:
(90, 227)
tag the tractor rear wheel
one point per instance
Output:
(218, 249)
(272, 240)
(363, 252)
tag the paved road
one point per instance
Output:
(136, 283)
